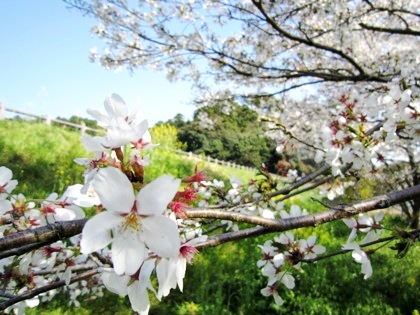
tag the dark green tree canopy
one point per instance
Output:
(229, 132)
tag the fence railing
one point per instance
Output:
(83, 128)
(48, 120)
(209, 159)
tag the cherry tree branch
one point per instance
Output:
(42, 235)
(54, 285)
(61, 230)
(308, 42)
(269, 226)
(400, 31)
(413, 235)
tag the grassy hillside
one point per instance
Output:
(222, 280)
(41, 158)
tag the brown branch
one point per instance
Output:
(269, 226)
(54, 285)
(400, 31)
(309, 43)
(45, 234)
(22, 249)
(413, 235)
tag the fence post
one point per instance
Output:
(82, 128)
(48, 120)
(2, 110)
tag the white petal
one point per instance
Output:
(63, 214)
(278, 260)
(119, 134)
(115, 283)
(277, 299)
(33, 302)
(267, 291)
(379, 216)
(145, 273)
(359, 256)
(115, 106)
(5, 205)
(139, 298)
(288, 281)
(96, 233)
(352, 235)
(128, 252)
(311, 240)
(114, 190)
(367, 270)
(180, 273)
(350, 222)
(154, 197)
(166, 274)
(318, 249)
(101, 118)
(92, 144)
(161, 236)
(5, 175)
(350, 246)
(269, 270)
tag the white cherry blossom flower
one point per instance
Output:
(272, 291)
(120, 133)
(171, 272)
(134, 224)
(115, 108)
(287, 238)
(82, 200)
(360, 257)
(135, 286)
(310, 249)
(365, 224)
(295, 211)
(269, 251)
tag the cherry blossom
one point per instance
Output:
(360, 257)
(135, 286)
(365, 224)
(132, 223)
(115, 108)
(310, 249)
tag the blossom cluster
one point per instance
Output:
(370, 226)
(50, 263)
(138, 230)
(365, 128)
(281, 257)
(144, 234)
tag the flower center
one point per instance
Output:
(132, 221)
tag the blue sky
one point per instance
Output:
(45, 67)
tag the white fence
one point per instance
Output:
(209, 159)
(83, 128)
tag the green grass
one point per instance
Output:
(40, 156)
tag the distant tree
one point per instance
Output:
(227, 131)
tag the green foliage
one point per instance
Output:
(40, 156)
(109, 303)
(166, 136)
(233, 133)
(91, 123)
(163, 161)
